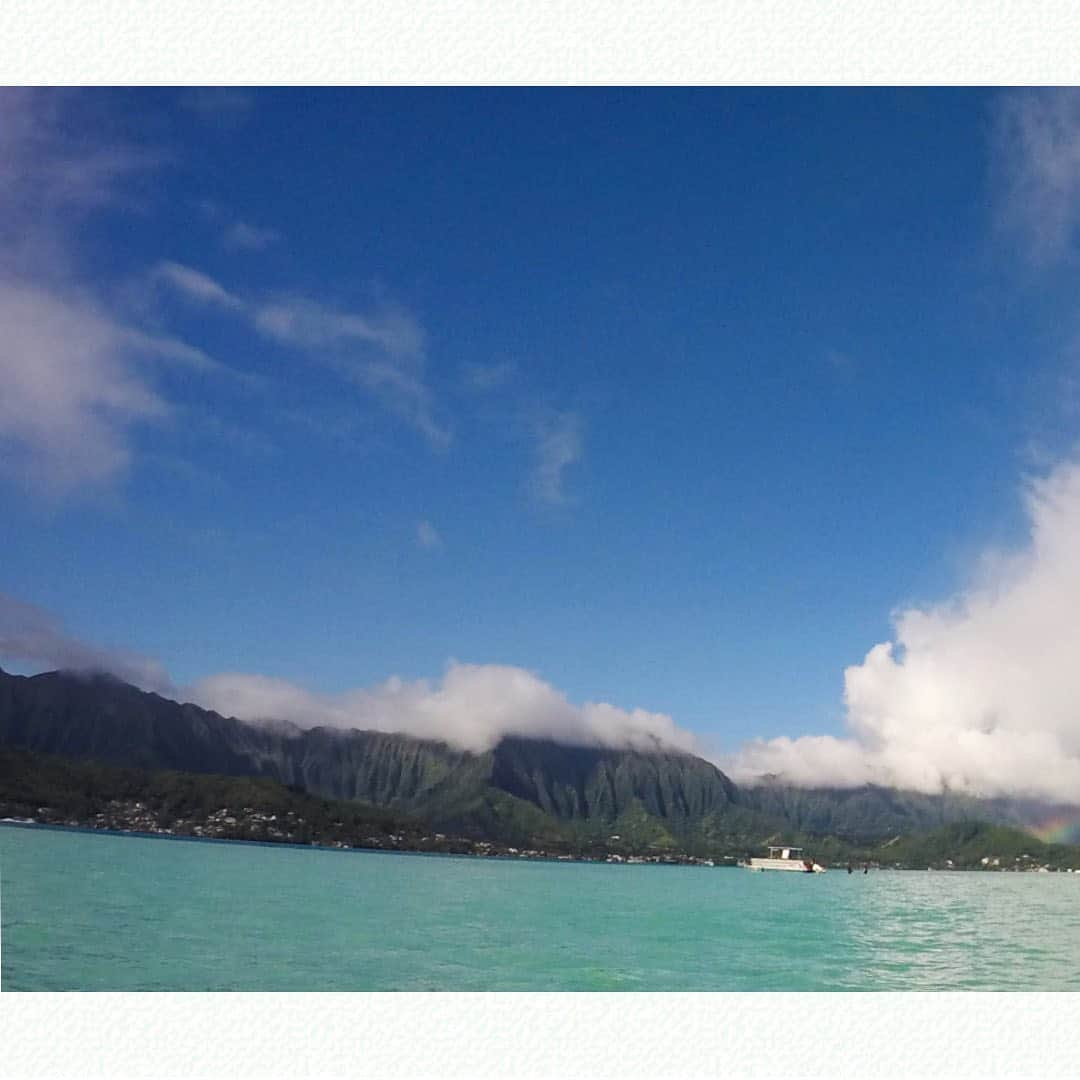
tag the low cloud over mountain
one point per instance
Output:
(980, 693)
(32, 636)
(472, 706)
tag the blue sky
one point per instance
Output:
(672, 398)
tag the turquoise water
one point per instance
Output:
(85, 911)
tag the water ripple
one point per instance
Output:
(83, 911)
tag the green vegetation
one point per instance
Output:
(867, 814)
(964, 846)
(59, 791)
(142, 761)
(56, 790)
(521, 791)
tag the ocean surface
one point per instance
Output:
(90, 911)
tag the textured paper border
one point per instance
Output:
(387, 1036)
(684, 1035)
(786, 42)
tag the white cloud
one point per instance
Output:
(1038, 159)
(383, 351)
(295, 320)
(427, 536)
(75, 380)
(401, 388)
(236, 235)
(70, 392)
(240, 236)
(558, 445)
(72, 382)
(196, 286)
(472, 706)
(177, 351)
(31, 635)
(980, 694)
(390, 366)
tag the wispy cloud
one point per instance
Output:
(74, 379)
(427, 536)
(1035, 171)
(169, 348)
(382, 351)
(501, 394)
(30, 635)
(296, 320)
(240, 236)
(557, 445)
(46, 170)
(401, 387)
(236, 235)
(1037, 159)
(196, 286)
(484, 377)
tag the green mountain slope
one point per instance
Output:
(965, 846)
(594, 783)
(864, 813)
(522, 788)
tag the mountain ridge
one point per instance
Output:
(520, 784)
(101, 718)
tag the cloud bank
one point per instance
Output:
(70, 393)
(979, 694)
(472, 706)
(982, 693)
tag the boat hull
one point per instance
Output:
(790, 866)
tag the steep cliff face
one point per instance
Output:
(872, 813)
(103, 719)
(518, 788)
(590, 782)
(372, 766)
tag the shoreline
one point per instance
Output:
(358, 849)
(668, 861)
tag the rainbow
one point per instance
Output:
(1059, 828)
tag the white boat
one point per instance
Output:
(784, 858)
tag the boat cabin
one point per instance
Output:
(785, 853)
